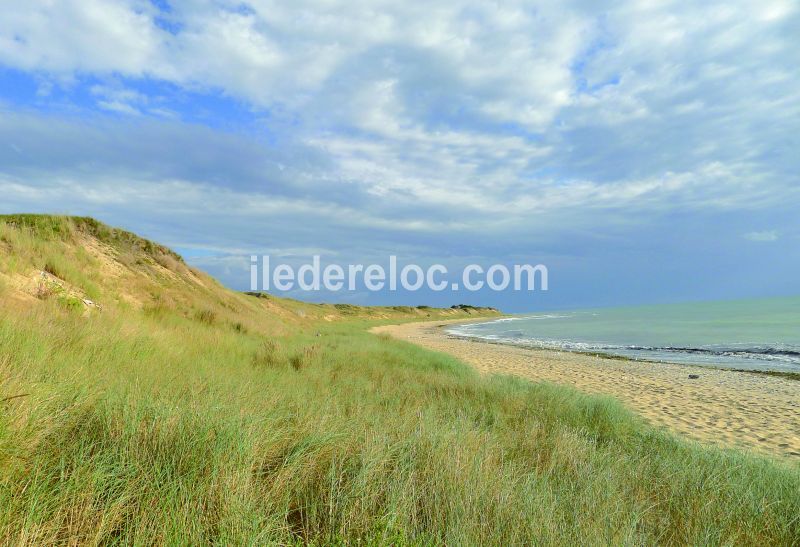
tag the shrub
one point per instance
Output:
(346, 309)
(257, 294)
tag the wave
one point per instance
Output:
(779, 353)
(549, 316)
(465, 330)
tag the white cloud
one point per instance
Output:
(119, 107)
(80, 35)
(513, 59)
(417, 117)
(767, 235)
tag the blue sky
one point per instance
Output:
(645, 151)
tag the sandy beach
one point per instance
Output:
(750, 411)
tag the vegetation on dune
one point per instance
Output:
(467, 307)
(122, 271)
(167, 423)
(49, 227)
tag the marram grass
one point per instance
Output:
(141, 430)
(202, 416)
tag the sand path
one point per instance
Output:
(750, 411)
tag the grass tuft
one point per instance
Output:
(268, 355)
(207, 317)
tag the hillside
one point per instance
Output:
(87, 266)
(143, 403)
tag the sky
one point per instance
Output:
(644, 151)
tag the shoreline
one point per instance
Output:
(795, 376)
(753, 411)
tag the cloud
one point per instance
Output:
(82, 36)
(767, 235)
(452, 128)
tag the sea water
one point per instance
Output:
(762, 334)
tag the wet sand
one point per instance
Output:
(735, 409)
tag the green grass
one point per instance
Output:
(140, 429)
(63, 228)
(210, 417)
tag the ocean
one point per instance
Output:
(760, 334)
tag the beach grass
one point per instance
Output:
(169, 424)
(175, 430)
